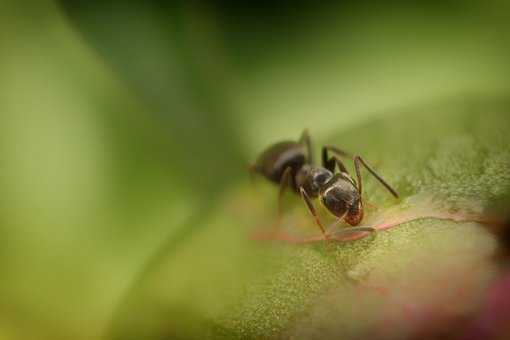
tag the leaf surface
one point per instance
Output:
(450, 163)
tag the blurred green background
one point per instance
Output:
(121, 123)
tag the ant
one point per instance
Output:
(290, 163)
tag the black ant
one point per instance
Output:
(290, 163)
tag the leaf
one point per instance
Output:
(411, 279)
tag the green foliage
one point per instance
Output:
(126, 128)
(241, 288)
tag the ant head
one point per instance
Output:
(341, 198)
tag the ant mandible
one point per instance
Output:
(290, 163)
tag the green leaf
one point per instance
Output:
(120, 121)
(449, 161)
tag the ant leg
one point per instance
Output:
(357, 161)
(305, 139)
(338, 151)
(284, 183)
(310, 206)
(358, 176)
(326, 161)
(329, 163)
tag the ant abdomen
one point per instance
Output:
(273, 162)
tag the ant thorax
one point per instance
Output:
(313, 179)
